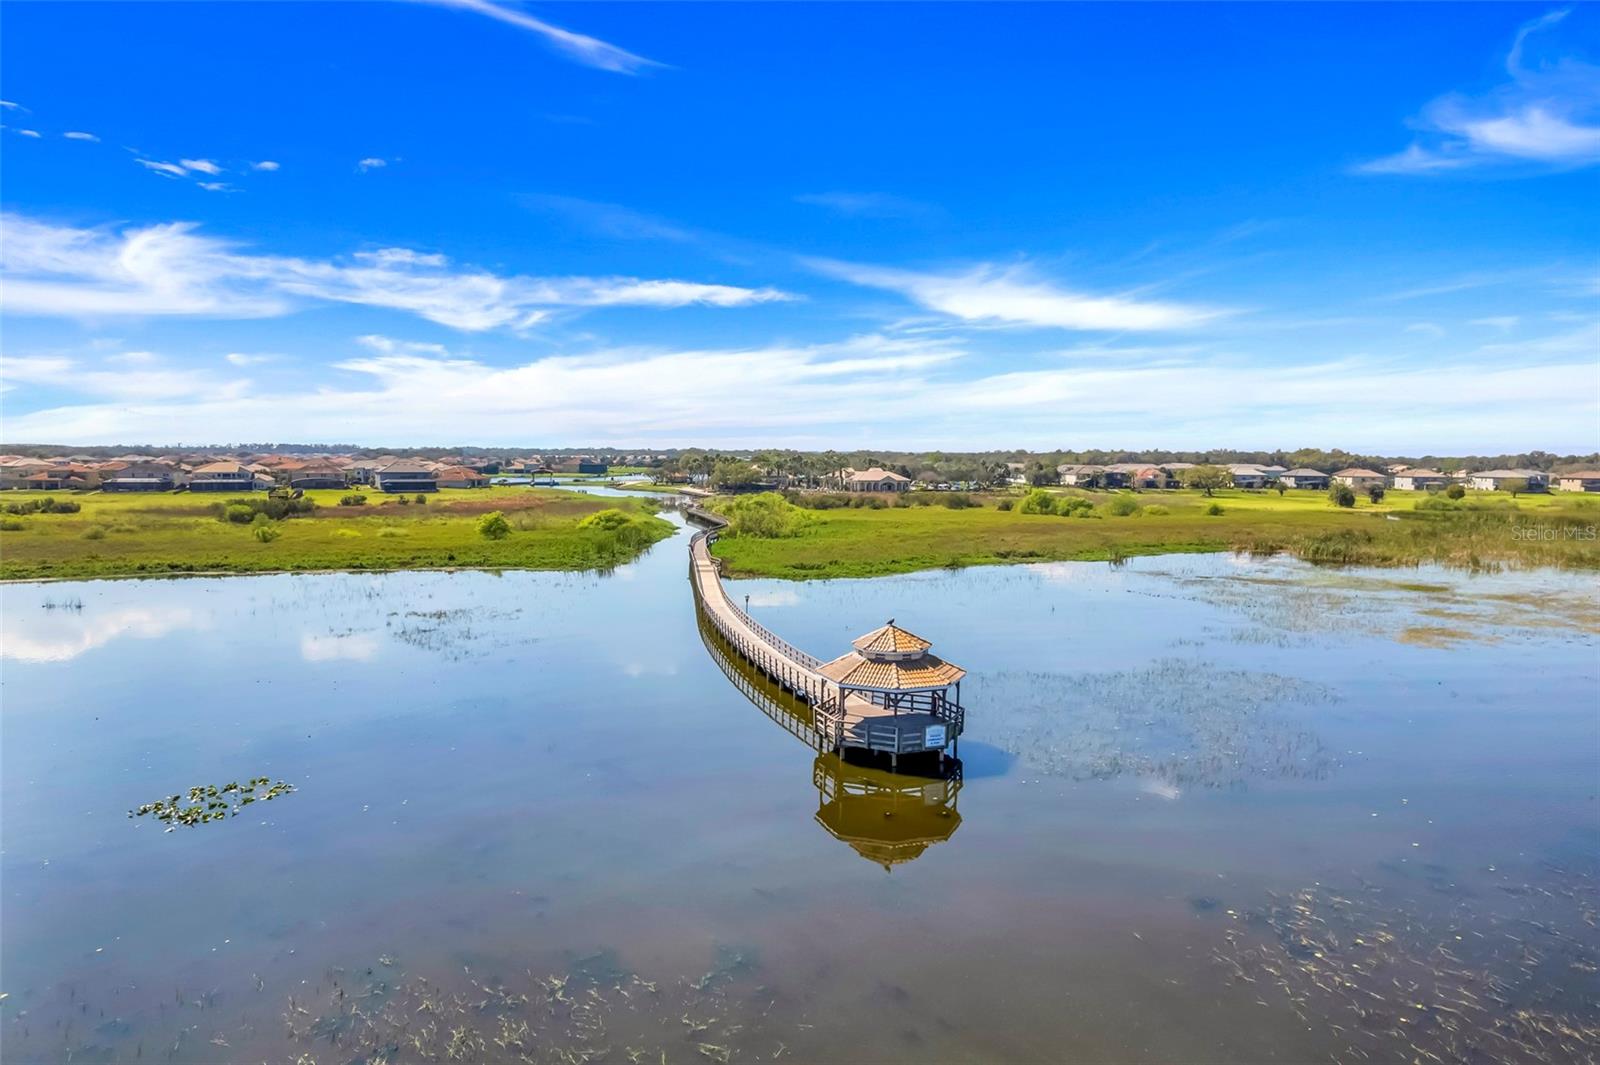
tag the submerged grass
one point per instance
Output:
(143, 535)
(1549, 530)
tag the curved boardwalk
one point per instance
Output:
(851, 721)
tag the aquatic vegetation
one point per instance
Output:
(764, 516)
(208, 802)
(1490, 980)
(1184, 722)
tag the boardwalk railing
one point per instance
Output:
(836, 725)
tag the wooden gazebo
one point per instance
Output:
(897, 695)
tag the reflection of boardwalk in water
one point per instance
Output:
(887, 818)
(889, 694)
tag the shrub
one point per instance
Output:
(1375, 493)
(1160, 508)
(1074, 506)
(95, 533)
(404, 501)
(1123, 506)
(608, 520)
(238, 513)
(958, 500)
(354, 499)
(1214, 509)
(1342, 495)
(390, 532)
(11, 524)
(1004, 504)
(265, 531)
(1038, 501)
(47, 505)
(420, 498)
(244, 511)
(492, 526)
(767, 516)
(1455, 491)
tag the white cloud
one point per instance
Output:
(30, 133)
(138, 376)
(172, 269)
(164, 169)
(1503, 322)
(80, 135)
(866, 204)
(589, 51)
(371, 163)
(987, 293)
(264, 164)
(201, 166)
(239, 358)
(352, 647)
(63, 635)
(215, 186)
(12, 105)
(892, 392)
(1546, 116)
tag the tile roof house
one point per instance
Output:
(1495, 480)
(1585, 481)
(875, 479)
(461, 477)
(222, 477)
(1303, 478)
(1359, 477)
(1409, 480)
(405, 475)
(316, 475)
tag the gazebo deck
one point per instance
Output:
(845, 718)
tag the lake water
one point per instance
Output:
(1210, 808)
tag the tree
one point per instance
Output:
(730, 473)
(1342, 495)
(1514, 485)
(1206, 478)
(1375, 493)
(1455, 491)
(1281, 487)
(494, 526)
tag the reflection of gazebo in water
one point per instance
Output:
(887, 818)
(895, 695)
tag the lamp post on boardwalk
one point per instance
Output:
(747, 603)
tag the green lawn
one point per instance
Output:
(865, 542)
(138, 533)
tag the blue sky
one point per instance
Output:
(1044, 225)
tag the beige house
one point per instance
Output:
(461, 477)
(1586, 481)
(875, 479)
(1408, 480)
(1495, 480)
(1360, 478)
(222, 477)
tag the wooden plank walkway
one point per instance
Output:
(854, 721)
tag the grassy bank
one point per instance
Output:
(146, 534)
(1488, 529)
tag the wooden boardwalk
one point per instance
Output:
(851, 721)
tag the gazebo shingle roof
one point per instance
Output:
(852, 670)
(890, 638)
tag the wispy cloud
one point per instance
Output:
(12, 105)
(30, 133)
(867, 204)
(991, 294)
(80, 135)
(1546, 116)
(173, 269)
(200, 166)
(881, 390)
(239, 358)
(590, 51)
(264, 164)
(371, 162)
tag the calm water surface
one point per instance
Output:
(1210, 809)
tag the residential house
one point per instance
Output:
(1151, 477)
(139, 477)
(1586, 481)
(1248, 475)
(317, 475)
(1409, 480)
(1495, 480)
(875, 479)
(461, 477)
(1080, 476)
(1303, 478)
(1360, 478)
(223, 477)
(405, 475)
